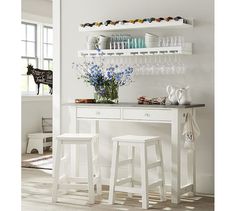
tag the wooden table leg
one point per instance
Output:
(175, 157)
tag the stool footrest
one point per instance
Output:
(135, 182)
(77, 179)
(81, 179)
(72, 186)
(47, 144)
(157, 183)
(63, 158)
(128, 189)
(186, 189)
(123, 181)
(125, 162)
(153, 165)
(62, 178)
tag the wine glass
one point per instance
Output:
(168, 64)
(180, 41)
(157, 65)
(136, 65)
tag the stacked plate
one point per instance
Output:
(151, 40)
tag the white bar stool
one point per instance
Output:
(94, 173)
(143, 142)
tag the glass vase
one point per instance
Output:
(106, 94)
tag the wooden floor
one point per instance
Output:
(36, 196)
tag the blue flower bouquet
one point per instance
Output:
(105, 80)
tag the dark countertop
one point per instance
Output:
(134, 105)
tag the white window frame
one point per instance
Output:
(39, 54)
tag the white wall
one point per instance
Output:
(37, 7)
(200, 73)
(33, 108)
(37, 10)
(32, 111)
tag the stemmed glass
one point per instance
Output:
(146, 65)
(180, 67)
(150, 65)
(168, 64)
(121, 62)
(137, 65)
(180, 41)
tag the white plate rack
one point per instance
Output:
(172, 24)
(186, 49)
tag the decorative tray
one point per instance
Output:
(154, 100)
(85, 101)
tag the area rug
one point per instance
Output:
(37, 161)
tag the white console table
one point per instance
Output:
(166, 114)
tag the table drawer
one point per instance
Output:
(98, 113)
(147, 114)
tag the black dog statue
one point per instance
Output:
(41, 77)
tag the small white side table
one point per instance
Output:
(38, 141)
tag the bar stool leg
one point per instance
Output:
(114, 166)
(161, 169)
(56, 171)
(99, 184)
(90, 174)
(97, 167)
(144, 176)
(131, 167)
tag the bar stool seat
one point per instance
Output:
(94, 173)
(136, 139)
(133, 141)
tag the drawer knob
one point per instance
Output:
(147, 114)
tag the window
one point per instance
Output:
(29, 55)
(37, 49)
(47, 51)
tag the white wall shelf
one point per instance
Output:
(172, 24)
(186, 49)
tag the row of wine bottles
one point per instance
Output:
(133, 21)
